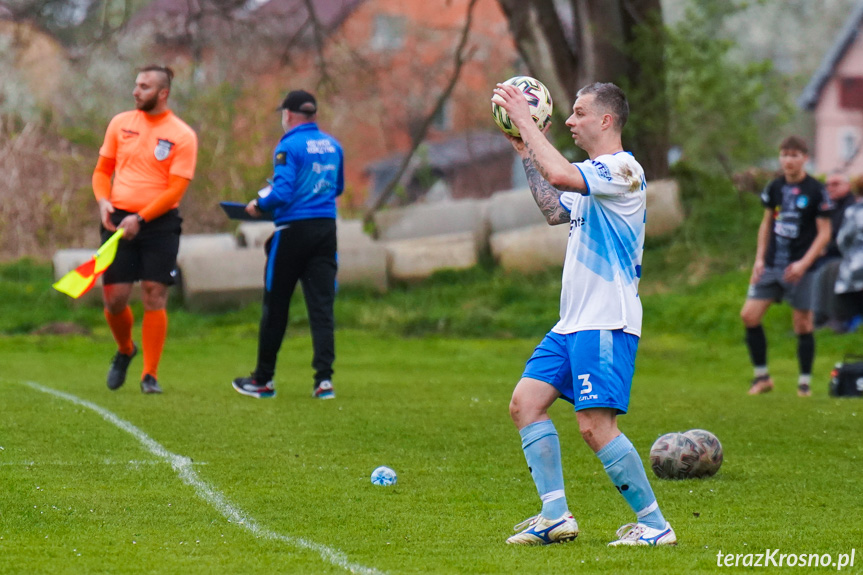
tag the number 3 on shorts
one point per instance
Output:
(586, 386)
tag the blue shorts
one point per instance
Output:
(602, 362)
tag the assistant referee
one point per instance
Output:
(151, 155)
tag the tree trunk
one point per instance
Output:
(570, 44)
(541, 40)
(645, 36)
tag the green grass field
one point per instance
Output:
(207, 481)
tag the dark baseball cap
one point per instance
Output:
(299, 101)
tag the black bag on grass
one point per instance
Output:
(846, 379)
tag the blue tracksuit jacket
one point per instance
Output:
(308, 176)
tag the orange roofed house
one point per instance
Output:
(378, 68)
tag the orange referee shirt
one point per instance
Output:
(147, 150)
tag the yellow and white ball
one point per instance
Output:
(538, 98)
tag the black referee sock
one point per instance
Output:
(756, 341)
(805, 352)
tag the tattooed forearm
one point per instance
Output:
(547, 196)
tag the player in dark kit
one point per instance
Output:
(794, 231)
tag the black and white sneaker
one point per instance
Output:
(150, 385)
(119, 367)
(250, 386)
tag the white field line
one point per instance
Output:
(183, 467)
(131, 463)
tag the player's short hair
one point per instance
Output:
(795, 143)
(611, 99)
(166, 71)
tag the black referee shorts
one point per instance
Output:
(151, 255)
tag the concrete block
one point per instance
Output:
(664, 209)
(191, 244)
(418, 258)
(254, 234)
(65, 261)
(440, 218)
(362, 261)
(513, 209)
(223, 279)
(531, 248)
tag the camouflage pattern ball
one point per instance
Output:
(711, 452)
(674, 456)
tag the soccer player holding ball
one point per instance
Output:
(588, 357)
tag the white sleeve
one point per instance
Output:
(567, 199)
(608, 176)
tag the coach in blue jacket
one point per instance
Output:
(308, 176)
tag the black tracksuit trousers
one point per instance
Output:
(304, 251)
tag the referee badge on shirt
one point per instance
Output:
(163, 148)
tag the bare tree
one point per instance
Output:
(461, 55)
(570, 43)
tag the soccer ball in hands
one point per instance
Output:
(538, 98)
(693, 454)
(383, 475)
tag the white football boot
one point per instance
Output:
(538, 530)
(641, 534)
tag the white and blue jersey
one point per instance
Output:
(606, 241)
(589, 355)
(308, 175)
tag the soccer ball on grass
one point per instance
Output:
(538, 98)
(711, 452)
(383, 475)
(693, 454)
(673, 456)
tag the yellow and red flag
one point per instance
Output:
(79, 281)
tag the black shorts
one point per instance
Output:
(150, 256)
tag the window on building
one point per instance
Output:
(851, 93)
(388, 32)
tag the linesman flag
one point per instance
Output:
(79, 281)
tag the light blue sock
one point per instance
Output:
(624, 467)
(542, 450)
